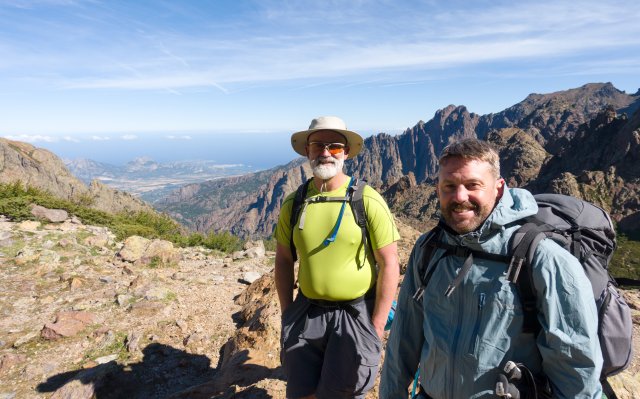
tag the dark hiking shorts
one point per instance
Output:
(330, 351)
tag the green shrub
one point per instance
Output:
(16, 200)
(225, 242)
(626, 259)
(270, 244)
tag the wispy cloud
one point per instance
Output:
(27, 138)
(129, 137)
(70, 139)
(184, 137)
(100, 138)
(358, 39)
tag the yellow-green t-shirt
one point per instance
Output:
(342, 270)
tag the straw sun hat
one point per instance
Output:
(354, 140)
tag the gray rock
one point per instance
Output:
(253, 244)
(106, 359)
(162, 250)
(124, 299)
(85, 384)
(156, 293)
(133, 341)
(250, 277)
(30, 336)
(237, 255)
(134, 248)
(52, 215)
(255, 252)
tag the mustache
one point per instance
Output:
(323, 160)
(464, 206)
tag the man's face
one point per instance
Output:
(325, 164)
(468, 191)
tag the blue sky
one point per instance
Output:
(98, 71)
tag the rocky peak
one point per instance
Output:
(42, 169)
(531, 133)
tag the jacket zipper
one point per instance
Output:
(476, 327)
(456, 337)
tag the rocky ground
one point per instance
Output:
(84, 316)
(143, 319)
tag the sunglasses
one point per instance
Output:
(333, 148)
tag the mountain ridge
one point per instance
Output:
(545, 122)
(40, 168)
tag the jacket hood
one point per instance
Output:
(514, 205)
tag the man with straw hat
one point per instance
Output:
(331, 332)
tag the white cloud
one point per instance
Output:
(70, 139)
(184, 137)
(33, 138)
(282, 42)
(100, 138)
(360, 38)
(129, 137)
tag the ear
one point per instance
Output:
(306, 150)
(499, 188)
(346, 152)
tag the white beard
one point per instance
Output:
(326, 171)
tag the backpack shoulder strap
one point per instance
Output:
(429, 246)
(359, 212)
(298, 202)
(523, 243)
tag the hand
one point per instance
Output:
(379, 329)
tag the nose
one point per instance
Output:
(461, 194)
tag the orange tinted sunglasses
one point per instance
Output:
(333, 148)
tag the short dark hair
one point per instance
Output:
(472, 148)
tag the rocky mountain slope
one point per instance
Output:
(42, 169)
(242, 204)
(84, 316)
(532, 133)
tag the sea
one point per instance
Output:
(257, 151)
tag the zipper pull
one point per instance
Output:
(419, 293)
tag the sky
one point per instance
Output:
(177, 79)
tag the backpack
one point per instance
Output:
(586, 231)
(353, 197)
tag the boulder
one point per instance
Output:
(162, 251)
(250, 277)
(67, 324)
(87, 383)
(51, 215)
(8, 360)
(134, 248)
(253, 244)
(255, 252)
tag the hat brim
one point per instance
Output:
(354, 141)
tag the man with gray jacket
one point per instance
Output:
(467, 325)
